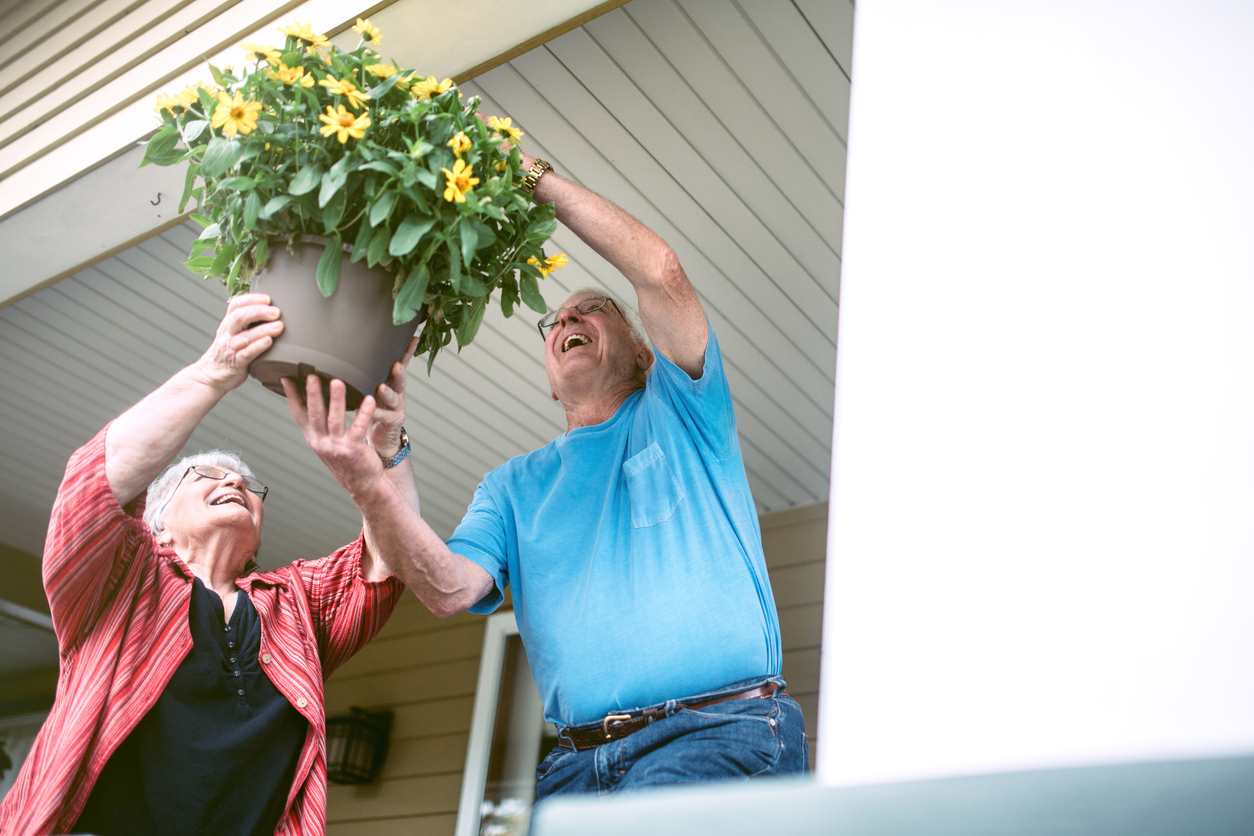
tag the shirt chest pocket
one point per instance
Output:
(655, 492)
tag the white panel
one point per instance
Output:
(1041, 551)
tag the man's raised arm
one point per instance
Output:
(669, 307)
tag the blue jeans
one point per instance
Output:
(727, 740)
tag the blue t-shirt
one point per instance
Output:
(634, 551)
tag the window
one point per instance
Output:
(508, 738)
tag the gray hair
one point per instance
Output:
(161, 491)
(634, 323)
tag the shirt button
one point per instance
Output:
(230, 644)
(232, 660)
(237, 674)
(301, 703)
(227, 628)
(240, 692)
(265, 658)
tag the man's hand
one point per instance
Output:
(342, 447)
(385, 431)
(224, 365)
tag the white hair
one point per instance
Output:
(162, 489)
(634, 323)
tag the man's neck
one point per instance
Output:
(599, 410)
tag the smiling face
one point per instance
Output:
(210, 510)
(592, 355)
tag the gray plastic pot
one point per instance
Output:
(348, 335)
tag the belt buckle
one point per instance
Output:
(611, 718)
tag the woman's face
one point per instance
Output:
(202, 507)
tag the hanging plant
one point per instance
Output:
(311, 140)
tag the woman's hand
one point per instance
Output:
(385, 430)
(235, 345)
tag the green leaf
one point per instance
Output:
(238, 184)
(189, 185)
(329, 266)
(412, 293)
(292, 59)
(426, 178)
(487, 235)
(222, 259)
(210, 232)
(200, 264)
(203, 220)
(472, 318)
(161, 149)
(470, 241)
(251, 207)
(334, 211)
(408, 234)
(378, 247)
(383, 208)
(454, 267)
(380, 90)
(332, 181)
(232, 286)
(540, 232)
(305, 180)
(381, 165)
(218, 78)
(274, 205)
(261, 252)
(531, 295)
(219, 157)
(199, 247)
(472, 285)
(193, 129)
(364, 233)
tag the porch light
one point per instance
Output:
(357, 745)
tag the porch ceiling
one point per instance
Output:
(719, 123)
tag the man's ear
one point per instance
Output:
(552, 394)
(644, 358)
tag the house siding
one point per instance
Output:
(425, 670)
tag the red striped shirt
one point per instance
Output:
(120, 607)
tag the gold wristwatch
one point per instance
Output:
(528, 185)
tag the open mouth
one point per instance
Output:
(222, 500)
(574, 340)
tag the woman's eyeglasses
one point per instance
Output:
(208, 471)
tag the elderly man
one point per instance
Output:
(190, 693)
(631, 541)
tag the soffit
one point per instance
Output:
(719, 123)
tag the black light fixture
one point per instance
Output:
(357, 745)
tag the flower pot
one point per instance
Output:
(348, 335)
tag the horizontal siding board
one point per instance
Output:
(770, 85)
(801, 669)
(445, 679)
(79, 53)
(402, 797)
(832, 21)
(439, 824)
(800, 584)
(757, 204)
(798, 48)
(410, 758)
(28, 22)
(800, 625)
(383, 654)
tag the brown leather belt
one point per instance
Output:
(618, 726)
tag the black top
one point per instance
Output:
(217, 753)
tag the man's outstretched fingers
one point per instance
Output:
(296, 404)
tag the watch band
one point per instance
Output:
(400, 454)
(528, 185)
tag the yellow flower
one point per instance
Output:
(304, 32)
(235, 115)
(382, 70)
(295, 76)
(175, 104)
(459, 181)
(460, 143)
(344, 124)
(259, 52)
(426, 87)
(501, 165)
(556, 262)
(369, 32)
(505, 128)
(346, 89)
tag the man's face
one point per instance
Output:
(202, 507)
(586, 351)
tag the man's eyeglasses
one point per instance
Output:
(208, 471)
(587, 306)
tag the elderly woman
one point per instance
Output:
(190, 694)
